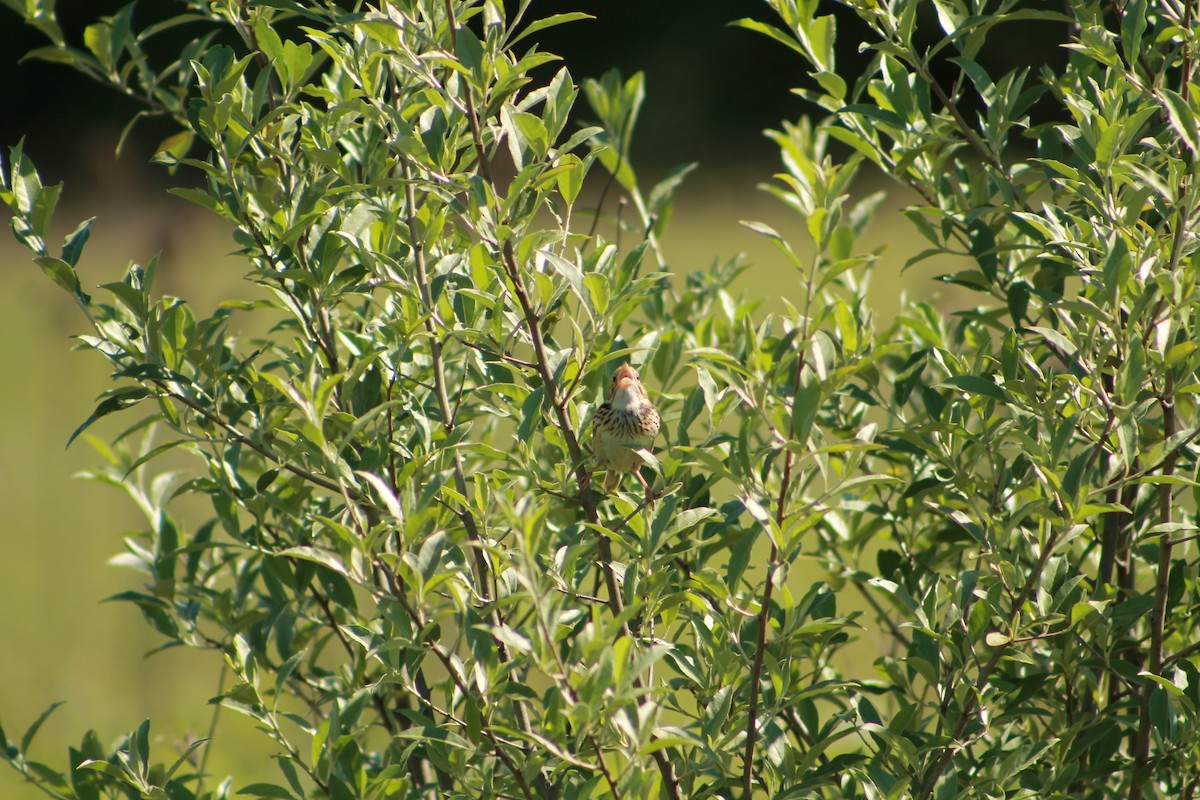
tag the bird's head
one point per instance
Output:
(627, 391)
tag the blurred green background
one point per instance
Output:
(711, 90)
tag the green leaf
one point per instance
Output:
(689, 518)
(662, 196)
(297, 59)
(983, 248)
(27, 739)
(531, 414)
(316, 556)
(429, 559)
(99, 41)
(174, 148)
(117, 400)
(1018, 302)
(1133, 26)
(570, 181)
(21, 182)
(139, 747)
(73, 248)
(549, 22)
(1182, 118)
(468, 49)
(294, 7)
(762, 228)
(516, 641)
(560, 97)
(199, 197)
(617, 104)
(611, 158)
(531, 133)
(805, 406)
(947, 783)
(573, 276)
(1132, 373)
(1116, 268)
(269, 43)
(266, 790)
(833, 84)
(770, 31)
(112, 770)
(59, 271)
(977, 385)
(59, 54)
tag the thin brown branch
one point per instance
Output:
(322, 339)
(785, 488)
(505, 357)
(452, 672)
(1158, 614)
(971, 702)
(483, 571)
(563, 421)
(554, 397)
(241, 438)
(760, 646)
(202, 766)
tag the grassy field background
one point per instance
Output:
(60, 640)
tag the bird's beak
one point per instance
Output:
(626, 377)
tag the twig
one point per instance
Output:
(483, 572)
(785, 488)
(237, 436)
(532, 318)
(971, 703)
(760, 647)
(453, 674)
(202, 767)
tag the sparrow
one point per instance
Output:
(628, 421)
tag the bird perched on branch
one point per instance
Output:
(628, 421)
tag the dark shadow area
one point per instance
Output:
(711, 88)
